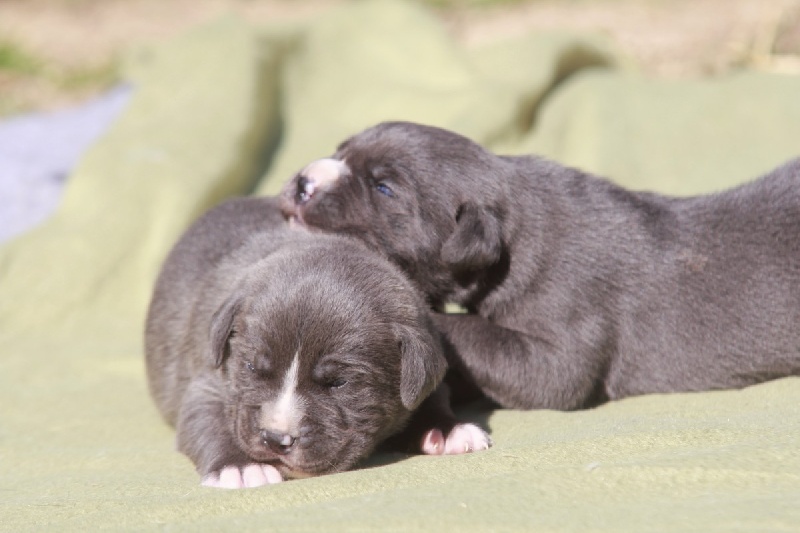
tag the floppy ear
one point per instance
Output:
(422, 363)
(221, 329)
(477, 242)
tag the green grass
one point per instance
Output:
(87, 77)
(13, 59)
(450, 4)
(27, 81)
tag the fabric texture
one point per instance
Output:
(230, 109)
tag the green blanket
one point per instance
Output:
(231, 109)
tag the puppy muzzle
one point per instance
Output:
(318, 175)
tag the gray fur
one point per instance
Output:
(578, 290)
(238, 296)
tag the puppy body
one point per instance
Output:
(271, 348)
(579, 291)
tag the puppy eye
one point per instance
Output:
(337, 383)
(384, 189)
(259, 366)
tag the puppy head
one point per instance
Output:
(326, 352)
(431, 200)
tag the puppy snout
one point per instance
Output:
(280, 443)
(318, 175)
(305, 189)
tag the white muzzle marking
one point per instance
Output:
(283, 415)
(323, 172)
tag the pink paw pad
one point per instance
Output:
(463, 438)
(234, 477)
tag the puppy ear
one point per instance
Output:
(221, 329)
(422, 363)
(477, 242)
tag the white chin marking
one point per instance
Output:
(296, 224)
(323, 172)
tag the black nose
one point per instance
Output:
(305, 188)
(280, 443)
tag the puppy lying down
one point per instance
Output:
(278, 353)
(578, 291)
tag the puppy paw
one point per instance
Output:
(463, 438)
(234, 477)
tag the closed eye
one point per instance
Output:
(259, 367)
(337, 383)
(384, 189)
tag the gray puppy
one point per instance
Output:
(578, 291)
(280, 353)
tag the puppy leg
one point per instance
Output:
(516, 370)
(443, 433)
(203, 435)
(435, 430)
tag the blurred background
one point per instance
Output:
(62, 62)
(54, 53)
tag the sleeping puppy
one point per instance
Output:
(578, 291)
(279, 353)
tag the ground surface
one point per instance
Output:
(54, 53)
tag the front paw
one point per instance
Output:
(463, 438)
(236, 477)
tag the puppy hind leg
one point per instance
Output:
(465, 438)
(435, 430)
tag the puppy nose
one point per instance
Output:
(318, 175)
(280, 443)
(305, 189)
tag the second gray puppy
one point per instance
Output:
(579, 291)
